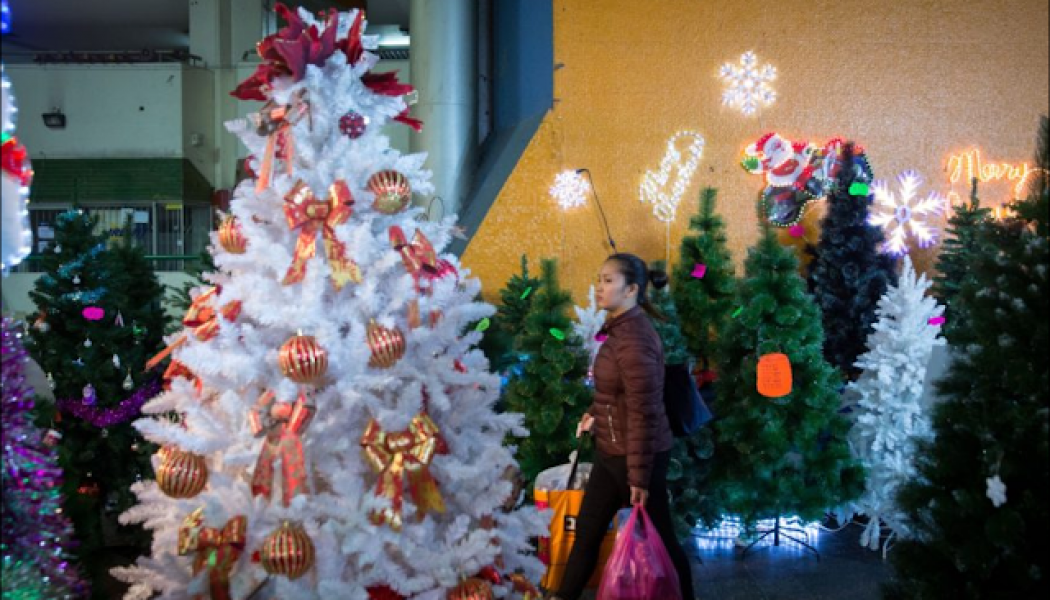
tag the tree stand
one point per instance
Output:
(790, 532)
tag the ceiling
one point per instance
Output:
(63, 25)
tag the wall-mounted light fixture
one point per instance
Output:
(55, 119)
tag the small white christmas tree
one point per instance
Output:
(890, 409)
(589, 321)
(349, 367)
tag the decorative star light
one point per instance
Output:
(570, 189)
(902, 216)
(657, 186)
(748, 84)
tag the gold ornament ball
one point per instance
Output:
(231, 238)
(472, 589)
(181, 474)
(288, 551)
(302, 359)
(387, 345)
(392, 192)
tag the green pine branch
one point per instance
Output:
(548, 387)
(704, 304)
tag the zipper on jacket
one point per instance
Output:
(612, 428)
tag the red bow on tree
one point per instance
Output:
(311, 215)
(218, 549)
(15, 160)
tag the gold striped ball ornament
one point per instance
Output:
(387, 345)
(288, 551)
(181, 474)
(471, 589)
(302, 359)
(392, 192)
(231, 238)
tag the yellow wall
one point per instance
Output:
(911, 80)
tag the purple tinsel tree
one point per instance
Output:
(36, 534)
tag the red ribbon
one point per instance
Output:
(218, 548)
(202, 318)
(305, 212)
(275, 123)
(282, 441)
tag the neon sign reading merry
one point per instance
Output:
(965, 166)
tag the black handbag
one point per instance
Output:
(685, 407)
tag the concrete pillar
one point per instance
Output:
(443, 62)
(206, 31)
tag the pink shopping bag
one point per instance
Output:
(639, 567)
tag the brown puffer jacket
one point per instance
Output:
(628, 408)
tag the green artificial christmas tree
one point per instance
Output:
(849, 274)
(689, 465)
(515, 300)
(549, 388)
(957, 252)
(668, 327)
(981, 502)
(704, 282)
(100, 321)
(787, 455)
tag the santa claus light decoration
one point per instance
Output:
(796, 173)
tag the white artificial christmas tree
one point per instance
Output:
(589, 321)
(891, 409)
(380, 414)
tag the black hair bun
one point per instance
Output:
(658, 278)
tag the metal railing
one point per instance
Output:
(172, 235)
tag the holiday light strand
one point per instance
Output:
(654, 187)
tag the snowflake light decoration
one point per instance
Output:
(902, 216)
(748, 84)
(570, 189)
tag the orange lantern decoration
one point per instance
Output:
(231, 238)
(471, 589)
(774, 375)
(181, 474)
(387, 345)
(391, 190)
(302, 359)
(288, 551)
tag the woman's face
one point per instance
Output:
(611, 293)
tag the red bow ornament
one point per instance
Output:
(404, 455)
(15, 160)
(423, 264)
(275, 123)
(218, 549)
(305, 212)
(202, 319)
(282, 425)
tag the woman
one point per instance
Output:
(629, 424)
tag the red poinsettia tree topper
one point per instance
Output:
(291, 50)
